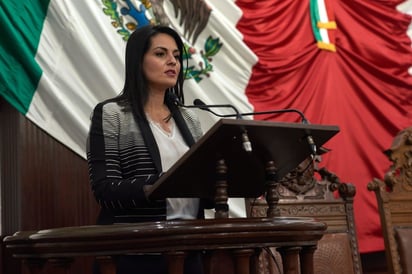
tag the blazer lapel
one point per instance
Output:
(151, 143)
(180, 121)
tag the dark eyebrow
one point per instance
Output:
(165, 49)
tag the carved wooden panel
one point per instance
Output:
(394, 195)
(301, 194)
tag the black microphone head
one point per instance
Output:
(198, 102)
(172, 98)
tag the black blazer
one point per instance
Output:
(123, 156)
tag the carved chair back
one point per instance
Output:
(394, 199)
(403, 237)
(311, 192)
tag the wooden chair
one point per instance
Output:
(394, 199)
(328, 200)
(403, 237)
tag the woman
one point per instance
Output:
(139, 134)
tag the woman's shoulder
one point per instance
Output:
(189, 114)
(193, 122)
(114, 100)
(112, 105)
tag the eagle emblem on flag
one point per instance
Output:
(128, 15)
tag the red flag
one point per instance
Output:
(364, 87)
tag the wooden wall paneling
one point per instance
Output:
(43, 184)
(9, 178)
(56, 181)
(9, 168)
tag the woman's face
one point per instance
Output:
(161, 64)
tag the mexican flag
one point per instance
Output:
(60, 58)
(57, 60)
(340, 62)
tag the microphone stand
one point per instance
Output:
(197, 103)
(200, 104)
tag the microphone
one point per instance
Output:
(200, 104)
(247, 145)
(197, 103)
(203, 106)
(309, 138)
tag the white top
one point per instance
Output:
(172, 147)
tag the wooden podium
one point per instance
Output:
(215, 167)
(218, 166)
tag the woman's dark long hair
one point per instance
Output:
(135, 90)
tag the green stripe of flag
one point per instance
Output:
(315, 18)
(21, 26)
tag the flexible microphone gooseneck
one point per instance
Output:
(309, 138)
(247, 145)
(197, 103)
(201, 105)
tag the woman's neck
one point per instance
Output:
(156, 109)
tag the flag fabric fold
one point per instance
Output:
(59, 58)
(363, 87)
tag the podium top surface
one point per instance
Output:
(194, 174)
